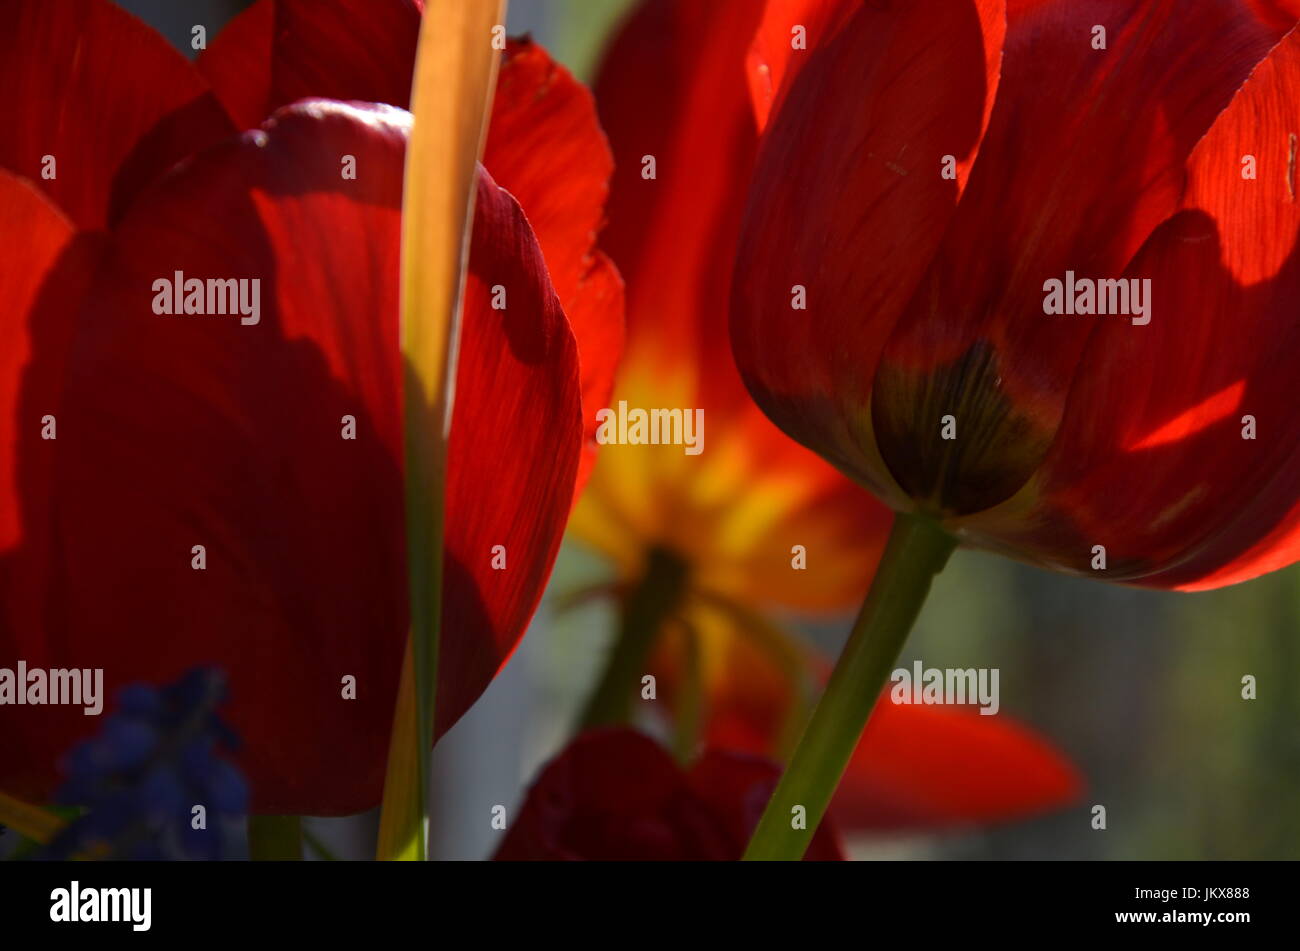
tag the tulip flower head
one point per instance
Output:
(197, 489)
(1044, 265)
(1012, 265)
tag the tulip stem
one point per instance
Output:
(275, 838)
(917, 550)
(688, 714)
(654, 600)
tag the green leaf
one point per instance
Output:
(38, 824)
(455, 76)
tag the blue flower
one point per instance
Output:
(142, 779)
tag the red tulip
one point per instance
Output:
(183, 431)
(731, 516)
(615, 795)
(928, 170)
(544, 144)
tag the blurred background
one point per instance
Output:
(1141, 690)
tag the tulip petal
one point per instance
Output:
(516, 440)
(47, 271)
(616, 795)
(33, 238)
(611, 795)
(106, 99)
(279, 51)
(595, 313)
(848, 204)
(928, 767)
(1152, 459)
(671, 92)
(1278, 15)
(545, 146)
(780, 45)
(178, 431)
(1104, 167)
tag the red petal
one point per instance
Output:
(612, 795)
(595, 312)
(178, 431)
(45, 276)
(616, 795)
(544, 145)
(1110, 130)
(847, 202)
(546, 148)
(1150, 459)
(33, 239)
(105, 96)
(279, 51)
(774, 60)
(1278, 15)
(671, 87)
(926, 767)
(515, 444)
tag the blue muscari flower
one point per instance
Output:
(154, 759)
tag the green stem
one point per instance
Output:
(275, 838)
(646, 609)
(688, 718)
(917, 551)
